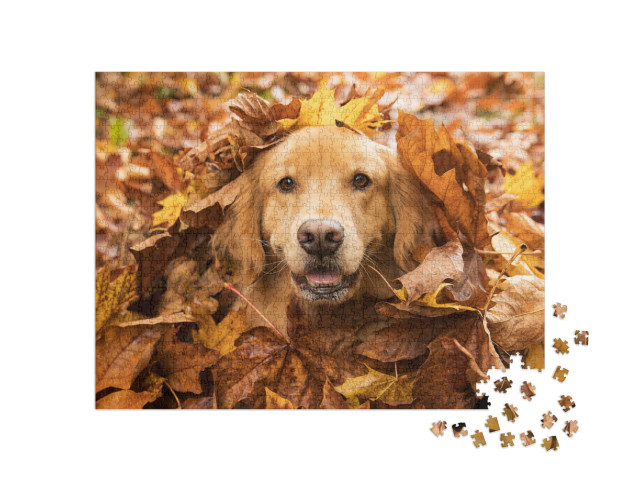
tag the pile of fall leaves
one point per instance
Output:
(470, 302)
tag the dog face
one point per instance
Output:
(325, 202)
(324, 205)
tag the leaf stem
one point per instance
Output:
(174, 393)
(232, 288)
(519, 251)
(384, 279)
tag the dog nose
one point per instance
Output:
(320, 237)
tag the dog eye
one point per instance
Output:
(286, 185)
(360, 181)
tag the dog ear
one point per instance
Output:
(415, 222)
(239, 236)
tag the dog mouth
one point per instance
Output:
(324, 284)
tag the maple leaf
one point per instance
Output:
(359, 113)
(517, 318)
(170, 212)
(295, 370)
(450, 170)
(111, 296)
(375, 386)
(181, 362)
(123, 352)
(507, 245)
(526, 185)
(222, 336)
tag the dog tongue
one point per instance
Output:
(323, 277)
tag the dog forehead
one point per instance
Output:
(326, 145)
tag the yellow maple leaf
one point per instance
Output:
(430, 299)
(171, 209)
(110, 296)
(360, 113)
(378, 385)
(526, 185)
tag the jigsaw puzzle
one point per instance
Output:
(551, 443)
(528, 390)
(559, 310)
(561, 347)
(548, 420)
(459, 430)
(507, 439)
(570, 428)
(439, 428)
(527, 439)
(511, 412)
(566, 402)
(478, 439)
(582, 337)
(492, 424)
(346, 238)
(560, 374)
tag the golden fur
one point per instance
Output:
(382, 222)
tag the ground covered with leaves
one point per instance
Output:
(168, 150)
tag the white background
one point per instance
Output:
(50, 52)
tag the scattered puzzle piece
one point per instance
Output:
(528, 390)
(582, 337)
(527, 439)
(502, 385)
(439, 428)
(511, 412)
(566, 402)
(561, 347)
(548, 420)
(507, 439)
(459, 430)
(551, 443)
(492, 424)
(560, 374)
(570, 427)
(478, 439)
(559, 310)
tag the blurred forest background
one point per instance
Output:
(146, 121)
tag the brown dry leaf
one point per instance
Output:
(128, 399)
(295, 371)
(404, 340)
(273, 401)
(181, 362)
(223, 335)
(208, 212)
(451, 171)
(517, 318)
(331, 399)
(163, 167)
(207, 402)
(442, 381)
(152, 255)
(526, 229)
(441, 264)
(123, 352)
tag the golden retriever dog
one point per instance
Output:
(315, 214)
